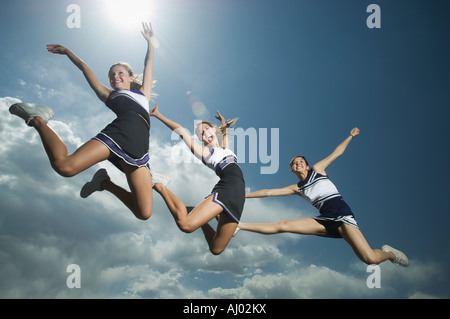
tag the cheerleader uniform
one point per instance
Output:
(127, 137)
(229, 192)
(323, 194)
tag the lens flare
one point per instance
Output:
(200, 111)
(129, 14)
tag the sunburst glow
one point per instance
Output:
(129, 14)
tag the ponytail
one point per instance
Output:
(136, 84)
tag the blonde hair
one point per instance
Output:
(136, 84)
(221, 128)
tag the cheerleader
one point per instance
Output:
(227, 198)
(124, 142)
(336, 219)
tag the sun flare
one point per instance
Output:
(129, 14)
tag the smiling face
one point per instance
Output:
(299, 165)
(120, 77)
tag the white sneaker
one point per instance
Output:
(95, 184)
(160, 178)
(400, 258)
(27, 112)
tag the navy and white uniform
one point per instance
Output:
(128, 135)
(323, 194)
(229, 192)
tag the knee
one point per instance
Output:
(64, 170)
(370, 259)
(186, 227)
(216, 250)
(280, 226)
(144, 215)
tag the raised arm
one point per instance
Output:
(147, 81)
(195, 148)
(101, 90)
(224, 125)
(285, 191)
(223, 129)
(338, 151)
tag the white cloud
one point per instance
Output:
(44, 213)
(420, 295)
(45, 226)
(300, 282)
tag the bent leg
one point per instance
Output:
(202, 214)
(89, 154)
(176, 207)
(356, 240)
(140, 199)
(199, 216)
(303, 226)
(218, 239)
(122, 194)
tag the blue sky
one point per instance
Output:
(313, 70)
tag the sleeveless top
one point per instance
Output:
(318, 189)
(135, 95)
(219, 158)
(128, 135)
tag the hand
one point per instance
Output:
(354, 132)
(147, 31)
(221, 119)
(224, 123)
(56, 48)
(155, 111)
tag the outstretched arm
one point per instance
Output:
(339, 150)
(147, 82)
(101, 90)
(224, 125)
(285, 191)
(195, 148)
(224, 131)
